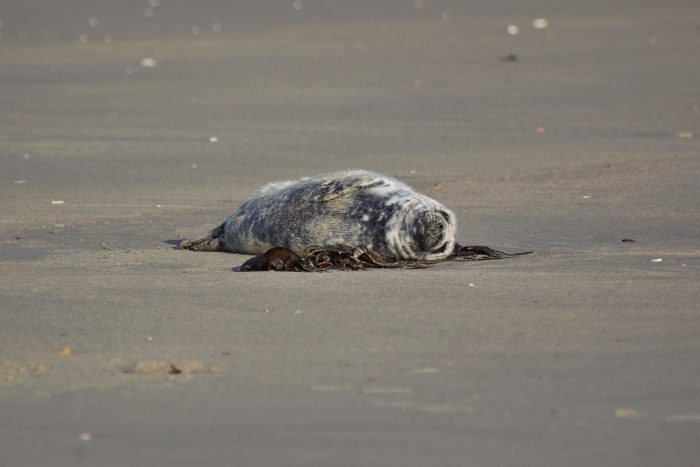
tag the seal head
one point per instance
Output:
(429, 232)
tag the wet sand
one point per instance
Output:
(583, 353)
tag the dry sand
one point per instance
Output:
(116, 349)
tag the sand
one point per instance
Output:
(117, 349)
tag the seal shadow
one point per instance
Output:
(174, 243)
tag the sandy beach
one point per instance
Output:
(128, 126)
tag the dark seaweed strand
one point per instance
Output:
(348, 258)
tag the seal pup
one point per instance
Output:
(351, 207)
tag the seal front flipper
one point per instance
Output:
(348, 184)
(213, 241)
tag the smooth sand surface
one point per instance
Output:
(584, 353)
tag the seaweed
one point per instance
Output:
(341, 257)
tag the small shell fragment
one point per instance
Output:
(213, 139)
(656, 260)
(683, 134)
(56, 202)
(627, 413)
(148, 62)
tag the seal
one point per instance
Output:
(353, 207)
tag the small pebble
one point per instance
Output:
(684, 134)
(18, 182)
(513, 29)
(540, 23)
(628, 240)
(56, 202)
(587, 197)
(656, 260)
(148, 62)
(213, 139)
(150, 338)
(298, 311)
(471, 285)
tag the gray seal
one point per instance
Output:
(351, 207)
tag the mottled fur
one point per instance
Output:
(351, 207)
